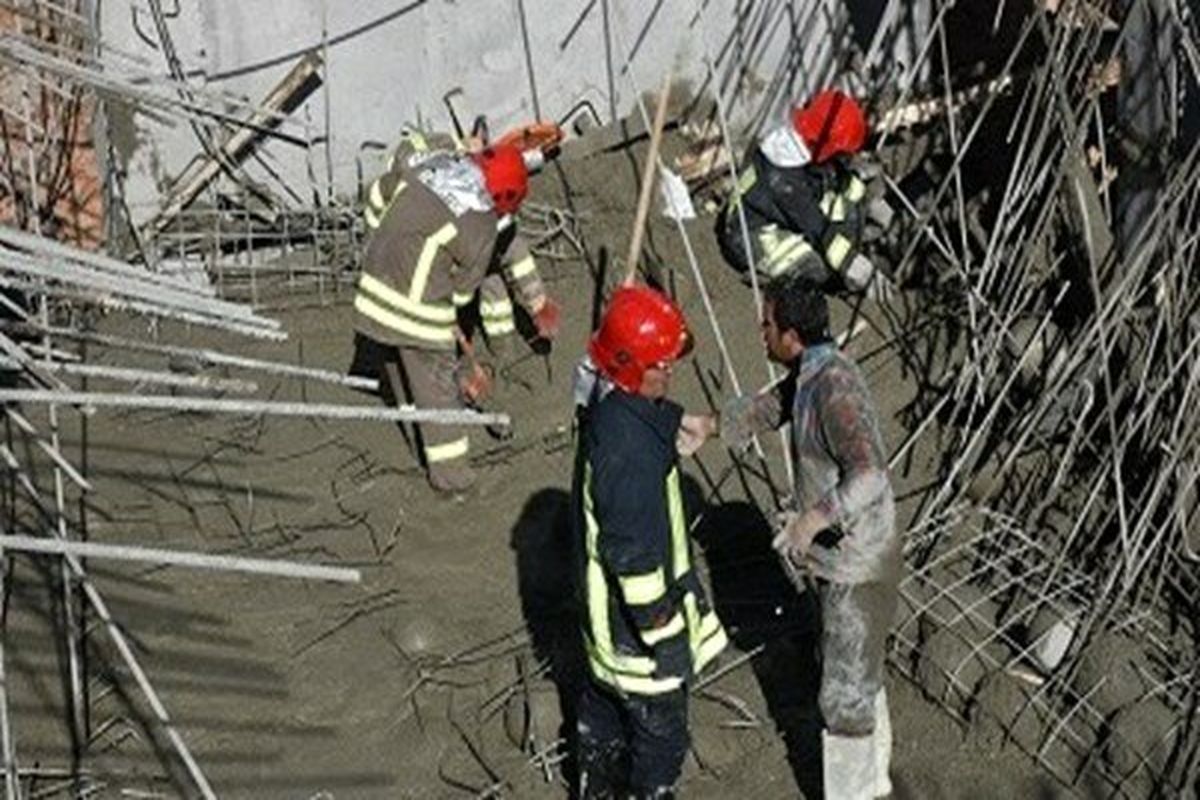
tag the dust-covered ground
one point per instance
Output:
(449, 671)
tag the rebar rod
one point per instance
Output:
(144, 376)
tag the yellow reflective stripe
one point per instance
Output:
(672, 628)
(712, 640)
(601, 654)
(827, 201)
(856, 191)
(418, 141)
(840, 209)
(837, 250)
(495, 308)
(679, 542)
(523, 268)
(437, 453)
(785, 254)
(396, 322)
(429, 251)
(745, 183)
(376, 197)
(499, 328)
(462, 298)
(377, 205)
(428, 312)
(634, 684)
(640, 590)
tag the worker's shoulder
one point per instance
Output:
(840, 373)
(634, 428)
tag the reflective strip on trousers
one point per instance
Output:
(497, 316)
(448, 451)
(523, 268)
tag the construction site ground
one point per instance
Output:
(447, 671)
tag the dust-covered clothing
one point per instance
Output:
(840, 464)
(855, 620)
(806, 220)
(841, 468)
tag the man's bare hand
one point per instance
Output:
(794, 533)
(694, 431)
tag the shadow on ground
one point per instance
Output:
(760, 608)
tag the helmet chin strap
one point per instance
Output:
(784, 148)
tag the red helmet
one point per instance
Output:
(506, 176)
(831, 123)
(641, 329)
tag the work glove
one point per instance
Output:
(474, 382)
(735, 423)
(694, 431)
(547, 319)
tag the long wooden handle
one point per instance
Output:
(648, 174)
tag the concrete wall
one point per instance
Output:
(390, 62)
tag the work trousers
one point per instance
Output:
(855, 620)
(425, 378)
(630, 745)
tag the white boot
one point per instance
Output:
(882, 744)
(849, 766)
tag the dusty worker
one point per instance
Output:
(444, 239)
(647, 624)
(804, 205)
(842, 529)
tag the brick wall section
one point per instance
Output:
(69, 185)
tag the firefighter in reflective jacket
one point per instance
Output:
(647, 626)
(803, 205)
(443, 233)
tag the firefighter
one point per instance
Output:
(805, 207)
(647, 626)
(443, 238)
(842, 529)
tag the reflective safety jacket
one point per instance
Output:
(434, 238)
(648, 626)
(807, 217)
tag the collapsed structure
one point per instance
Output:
(1044, 179)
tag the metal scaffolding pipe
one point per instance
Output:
(179, 558)
(205, 355)
(406, 413)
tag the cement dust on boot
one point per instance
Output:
(849, 766)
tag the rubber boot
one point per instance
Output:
(849, 766)
(882, 741)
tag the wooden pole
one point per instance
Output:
(648, 173)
